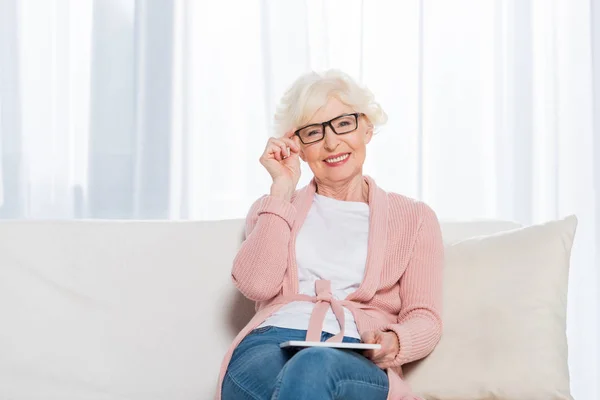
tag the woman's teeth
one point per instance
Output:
(337, 159)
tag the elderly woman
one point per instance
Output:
(337, 260)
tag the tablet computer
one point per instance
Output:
(303, 343)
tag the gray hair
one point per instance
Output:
(312, 90)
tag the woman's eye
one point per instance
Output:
(344, 123)
(311, 133)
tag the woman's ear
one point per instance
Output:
(369, 133)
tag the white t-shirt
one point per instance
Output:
(331, 244)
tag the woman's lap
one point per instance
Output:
(259, 367)
(254, 365)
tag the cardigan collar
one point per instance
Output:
(377, 239)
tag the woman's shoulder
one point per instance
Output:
(402, 206)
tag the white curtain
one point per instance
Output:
(160, 109)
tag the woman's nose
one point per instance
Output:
(331, 139)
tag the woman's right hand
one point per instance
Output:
(282, 165)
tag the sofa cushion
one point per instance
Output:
(114, 310)
(454, 231)
(504, 318)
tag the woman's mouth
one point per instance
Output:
(337, 160)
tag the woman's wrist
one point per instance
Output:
(282, 191)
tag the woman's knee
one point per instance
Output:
(314, 362)
(333, 365)
(259, 360)
(253, 371)
(329, 373)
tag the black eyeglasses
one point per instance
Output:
(340, 125)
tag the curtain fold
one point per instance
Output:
(160, 110)
(10, 111)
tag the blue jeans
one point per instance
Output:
(260, 370)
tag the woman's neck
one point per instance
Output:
(355, 189)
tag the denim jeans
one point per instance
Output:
(260, 370)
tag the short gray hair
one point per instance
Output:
(312, 90)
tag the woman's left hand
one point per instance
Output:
(388, 340)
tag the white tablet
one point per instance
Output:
(303, 343)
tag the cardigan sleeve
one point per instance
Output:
(261, 262)
(419, 326)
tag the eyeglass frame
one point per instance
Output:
(328, 123)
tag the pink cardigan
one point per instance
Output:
(401, 290)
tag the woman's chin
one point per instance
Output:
(337, 174)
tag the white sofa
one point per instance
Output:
(115, 310)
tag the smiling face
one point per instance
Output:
(337, 158)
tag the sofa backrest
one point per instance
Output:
(125, 309)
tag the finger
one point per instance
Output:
(289, 134)
(384, 365)
(387, 362)
(292, 159)
(275, 151)
(386, 353)
(369, 337)
(379, 354)
(283, 146)
(291, 144)
(270, 151)
(378, 357)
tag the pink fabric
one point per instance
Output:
(400, 292)
(324, 300)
